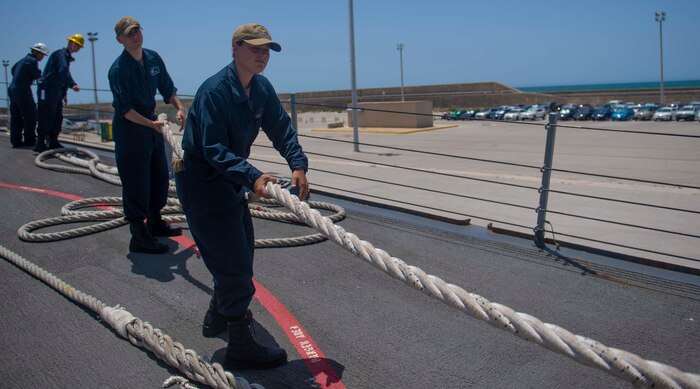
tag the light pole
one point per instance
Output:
(355, 131)
(6, 63)
(660, 17)
(92, 37)
(400, 47)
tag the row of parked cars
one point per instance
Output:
(614, 110)
(504, 112)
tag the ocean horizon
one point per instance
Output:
(626, 85)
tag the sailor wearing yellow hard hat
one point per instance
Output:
(52, 91)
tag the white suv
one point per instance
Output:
(533, 113)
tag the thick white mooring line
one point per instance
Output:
(619, 363)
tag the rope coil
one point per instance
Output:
(112, 218)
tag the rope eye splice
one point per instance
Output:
(178, 164)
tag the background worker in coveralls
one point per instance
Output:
(52, 93)
(226, 114)
(22, 105)
(138, 141)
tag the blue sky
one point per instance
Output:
(519, 43)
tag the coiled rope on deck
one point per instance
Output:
(619, 363)
(112, 218)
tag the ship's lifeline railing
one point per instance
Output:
(546, 169)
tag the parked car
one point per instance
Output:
(622, 113)
(467, 114)
(484, 114)
(567, 112)
(665, 113)
(601, 112)
(533, 113)
(697, 116)
(644, 113)
(498, 112)
(513, 114)
(452, 115)
(583, 112)
(687, 112)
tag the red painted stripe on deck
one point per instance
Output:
(315, 360)
(308, 349)
(43, 191)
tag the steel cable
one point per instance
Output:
(620, 223)
(422, 152)
(422, 206)
(407, 186)
(624, 246)
(625, 178)
(623, 201)
(413, 169)
(627, 131)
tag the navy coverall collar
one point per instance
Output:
(69, 56)
(258, 94)
(134, 64)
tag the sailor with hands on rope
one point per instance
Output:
(138, 143)
(52, 92)
(224, 119)
(22, 105)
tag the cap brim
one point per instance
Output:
(263, 41)
(129, 28)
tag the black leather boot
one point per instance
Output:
(53, 142)
(214, 322)
(40, 145)
(159, 227)
(243, 352)
(55, 145)
(142, 241)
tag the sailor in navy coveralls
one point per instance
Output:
(52, 93)
(22, 105)
(224, 120)
(138, 141)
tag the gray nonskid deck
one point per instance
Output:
(375, 331)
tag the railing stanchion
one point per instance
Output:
(293, 108)
(551, 128)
